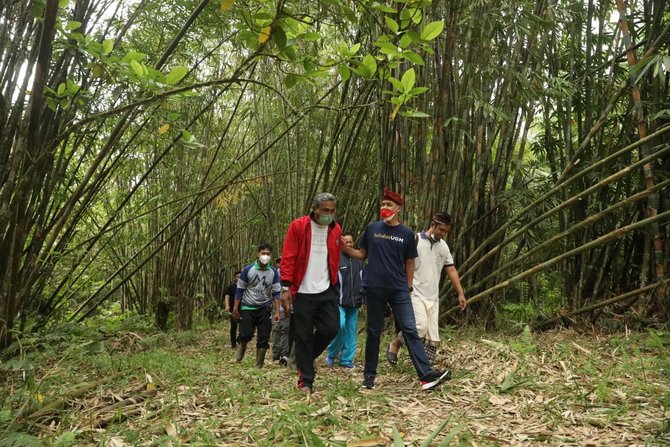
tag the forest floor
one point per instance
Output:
(183, 388)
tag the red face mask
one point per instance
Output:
(386, 213)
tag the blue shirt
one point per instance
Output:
(388, 248)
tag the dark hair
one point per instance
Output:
(239, 272)
(442, 218)
(264, 246)
(347, 234)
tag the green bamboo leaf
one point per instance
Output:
(392, 24)
(397, 439)
(137, 68)
(107, 46)
(311, 36)
(387, 48)
(432, 30)
(408, 79)
(383, 8)
(417, 91)
(397, 84)
(290, 80)
(344, 72)
(415, 114)
(371, 64)
(72, 87)
(289, 52)
(413, 57)
(72, 25)
(452, 434)
(433, 435)
(279, 37)
(176, 75)
(406, 40)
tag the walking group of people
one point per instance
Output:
(318, 288)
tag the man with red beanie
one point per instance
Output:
(309, 266)
(390, 248)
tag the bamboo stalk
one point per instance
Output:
(56, 405)
(570, 201)
(542, 266)
(652, 201)
(578, 227)
(603, 303)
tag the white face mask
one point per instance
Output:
(264, 259)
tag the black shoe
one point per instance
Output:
(434, 378)
(283, 360)
(369, 382)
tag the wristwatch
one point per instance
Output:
(411, 289)
(284, 289)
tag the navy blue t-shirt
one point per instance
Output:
(388, 248)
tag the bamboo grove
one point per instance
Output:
(148, 146)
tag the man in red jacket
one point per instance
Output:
(309, 266)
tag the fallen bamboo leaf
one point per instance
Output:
(116, 441)
(170, 429)
(370, 442)
(581, 348)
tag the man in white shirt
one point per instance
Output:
(433, 261)
(309, 267)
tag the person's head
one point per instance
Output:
(323, 206)
(264, 253)
(348, 239)
(391, 204)
(440, 224)
(278, 261)
(237, 275)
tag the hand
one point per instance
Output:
(462, 302)
(287, 301)
(236, 314)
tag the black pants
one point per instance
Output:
(259, 320)
(233, 331)
(315, 322)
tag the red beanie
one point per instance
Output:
(392, 196)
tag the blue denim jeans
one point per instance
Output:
(403, 311)
(344, 343)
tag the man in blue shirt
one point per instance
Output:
(258, 285)
(390, 248)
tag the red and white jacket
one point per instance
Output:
(295, 252)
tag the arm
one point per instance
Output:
(236, 309)
(409, 271)
(226, 303)
(288, 256)
(239, 291)
(276, 294)
(456, 281)
(359, 254)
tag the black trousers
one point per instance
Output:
(259, 320)
(315, 322)
(233, 331)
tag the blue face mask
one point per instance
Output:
(326, 219)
